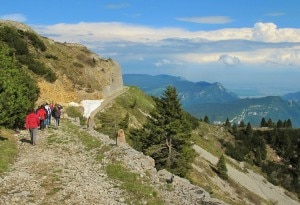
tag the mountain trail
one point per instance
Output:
(61, 170)
(58, 170)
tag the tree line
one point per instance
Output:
(250, 145)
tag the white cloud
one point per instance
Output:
(262, 44)
(166, 62)
(262, 51)
(264, 56)
(116, 31)
(268, 32)
(207, 19)
(229, 60)
(14, 17)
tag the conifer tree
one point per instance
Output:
(288, 123)
(221, 167)
(206, 119)
(263, 122)
(249, 130)
(166, 135)
(227, 123)
(270, 123)
(279, 124)
(242, 124)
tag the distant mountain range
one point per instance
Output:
(292, 96)
(213, 100)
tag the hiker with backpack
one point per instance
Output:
(56, 113)
(32, 123)
(48, 115)
(42, 115)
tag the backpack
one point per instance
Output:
(56, 112)
(48, 110)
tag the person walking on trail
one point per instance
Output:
(57, 114)
(48, 115)
(32, 123)
(42, 116)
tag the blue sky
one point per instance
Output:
(251, 47)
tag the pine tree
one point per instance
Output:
(289, 123)
(270, 123)
(242, 124)
(227, 123)
(263, 122)
(249, 130)
(206, 119)
(221, 167)
(166, 135)
(279, 124)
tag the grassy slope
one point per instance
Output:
(134, 102)
(8, 149)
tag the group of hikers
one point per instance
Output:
(41, 119)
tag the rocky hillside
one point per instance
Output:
(81, 74)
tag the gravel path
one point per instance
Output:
(252, 181)
(54, 174)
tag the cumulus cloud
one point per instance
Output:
(207, 19)
(268, 32)
(229, 60)
(14, 17)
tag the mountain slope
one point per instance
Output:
(189, 92)
(206, 136)
(81, 74)
(250, 110)
(292, 96)
(213, 100)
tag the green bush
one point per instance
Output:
(37, 67)
(18, 92)
(73, 111)
(51, 56)
(12, 38)
(35, 41)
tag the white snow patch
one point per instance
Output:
(89, 106)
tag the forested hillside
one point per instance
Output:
(251, 145)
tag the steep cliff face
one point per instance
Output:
(81, 74)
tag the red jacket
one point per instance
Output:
(32, 121)
(41, 113)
